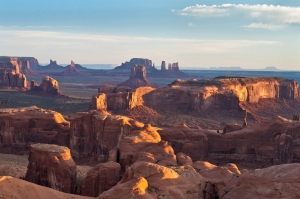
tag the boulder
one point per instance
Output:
(101, 178)
(52, 166)
(183, 159)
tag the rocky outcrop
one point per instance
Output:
(10, 76)
(51, 166)
(49, 86)
(96, 136)
(278, 181)
(160, 182)
(137, 78)
(231, 127)
(19, 189)
(145, 145)
(99, 101)
(21, 127)
(101, 178)
(120, 97)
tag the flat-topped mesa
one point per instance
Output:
(137, 61)
(52, 166)
(247, 89)
(24, 64)
(49, 86)
(137, 78)
(21, 127)
(10, 76)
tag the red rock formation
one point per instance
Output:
(99, 102)
(136, 61)
(231, 127)
(49, 86)
(137, 78)
(71, 71)
(96, 137)
(21, 127)
(145, 145)
(101, 178)
(10, 76)
(51, 166)
(160, 181)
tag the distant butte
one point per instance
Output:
(137, 78)
(72, 71)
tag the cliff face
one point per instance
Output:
(21, 127)
(10, 76)
(96, 136)
(25, 64)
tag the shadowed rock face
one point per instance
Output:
(51, 166)
(96, 136)
(137, 78)
(21, 127)
(101, 178)
(136, 61)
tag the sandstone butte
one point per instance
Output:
(49, 87)
(71, 71)
(137, 78)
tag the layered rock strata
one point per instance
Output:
(10, 75)
(51, 166)
(95, 136)
(21, 127)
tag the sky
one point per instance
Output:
(208, 33)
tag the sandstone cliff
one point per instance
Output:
(22, 126)
(137, 78)
(25, 64)
(95, 136)
(10, 76)
(51, 166)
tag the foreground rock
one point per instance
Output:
(20, 127)
(137, 78)
(101, 178)
(145, 145)
(160, 182)
(49, 86)
(19, 189)
(52, 166)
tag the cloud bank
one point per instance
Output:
(262, 12)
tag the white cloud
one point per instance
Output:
(263, 26)
(274, 14)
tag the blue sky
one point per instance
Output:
(250, 34)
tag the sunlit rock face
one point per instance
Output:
(96, 135)
(52, 166)
(10, 74)
(20, 127)
(49, 86)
